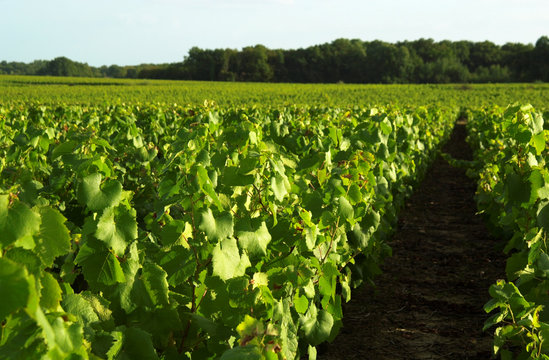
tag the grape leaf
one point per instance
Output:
(17, 222)
(50, 294)
(179, 263)
(345, 210)
(64, 148)
(99, 264)
(217, 229)
(278, 185)
(156, 284)
(248, 352)
(138, 345)
(253, 236)
(117, 227)
(97, 197)
(227, 262)
(14, 287)
(206, 185)
(316, 326)
(355, 195)
(77, 305)
(53, 238)
(68, 337)
(27, 258)
(301, 303)
(538, 141)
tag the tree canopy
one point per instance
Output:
(342, 60)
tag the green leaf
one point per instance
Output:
(64, 148)
(17, 223)
(253, 236)
(50, 294)
(130, 269)
(279, 186)
(301, 303)
(99, 264)
(345, 210)
(117, 227)
(233, 177)
(156, 284)
(538, 141)
(97, 197)
(249, 328)
(138, 345)
(357, 237)
(311, 350)
(523, 137)
(179, 263)
(26, 258)
(227, 262)
(316, 326)
(206, 185)
(516, 263)
(217, 229)
(518, 191)
(494, 319)
(543, 265)
(538, 186)
(543, 215)
(14, 287)
(68, 337)
(248, 352)
(53, 238)
(174, 232)
(79, 306)
(287, 338)
(355, 195)
(214, 329)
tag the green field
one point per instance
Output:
(198, 220)
(108, 91)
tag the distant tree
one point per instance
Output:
(131, 72)
(347, 59)
(540, 59)
(351, 61)
(297, 66)
(425, 49)
(484, 54)
(444, 70)
(276, 61)
(62, 66)
(254, 65)
(492, 74)
(517, 58)
(116, 71)
(386, 62)
(202, 64)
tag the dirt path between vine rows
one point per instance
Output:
(428, 302)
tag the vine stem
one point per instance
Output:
(261, 201)
(332, 235)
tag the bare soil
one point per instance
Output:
(428, 302)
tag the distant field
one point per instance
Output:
(107, 91)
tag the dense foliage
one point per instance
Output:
(343, 60)
(93, 91)
(147, 232)
(513, 193)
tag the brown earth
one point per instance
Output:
(428, 302)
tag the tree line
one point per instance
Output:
(343, 60)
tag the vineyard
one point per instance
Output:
(145, 230)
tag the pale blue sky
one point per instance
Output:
(128, 32)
